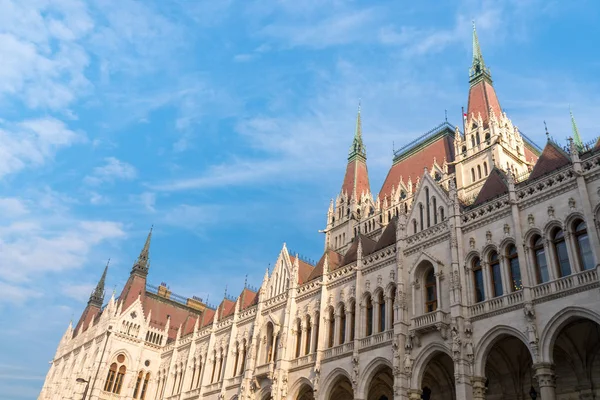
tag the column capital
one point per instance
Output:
(479, 387)
(414, 394)
(544, 373)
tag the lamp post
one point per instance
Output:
(87, 384)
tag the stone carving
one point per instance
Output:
(379, 280)
(469, 351)
(316, 380)
(456, 345)
(571, 203)
(472, 243)
(407, 364)
(531, 220)
(468, 328)
(506, 230)
(488, 237)
(354, 372)
(529, 311)
(367, 285)
(284, 381)
(551, 211)
(392, 275)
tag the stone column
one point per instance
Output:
(414, 394)
(313, 332)
(550, 260)
(487, 280)
(376, 314)
(337, 327)
(505, 272)
(574, 260)
(389, 312)
(348, 325)
(479, 388)
(544, 373)
(438, 286)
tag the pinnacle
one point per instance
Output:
(576, 137)
(142, 264)
(358, 147)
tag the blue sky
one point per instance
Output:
(226, 124)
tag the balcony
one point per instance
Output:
(191, 394)
(436, 320)
(235, 381)
(265, 370)
(574, 283)
(504, 303)
(308, 359)
(376, 339)
(212, 388)
(339, 350)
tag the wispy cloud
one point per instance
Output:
(112, 170)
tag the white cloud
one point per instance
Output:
(79, 292)
(112, 170)
(12, 207)
(32, 143)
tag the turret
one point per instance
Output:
(94, 304)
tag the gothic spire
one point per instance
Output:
(576, 137)
(97, 296)
(478, 69)
(358, 148)
(141, 265)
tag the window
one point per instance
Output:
(478, 280)
(472, 174)
(138, 383)
(496, 274)
(116, 373)
(485, 171)
(414, 226)
(435, 217)
(308, 335)
(342, 337)
(421, 216)
(479, 171)
(145, 387)
(369, 317)
(331, 327)
(442, 214)
(317, 325)
(212, 375)
(298, 338)
(427, 206)
(514, 268)
(392, 304)
(582, 241)
(381, 301)
(539, 258)
(430, 291)
(477, 139)
(352, 322)
(560, 250)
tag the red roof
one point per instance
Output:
(226, 308)
(413, 166)
(482, 96)
(552, 158)
(208, 317)
(91, 312)
(335, 261)
(357, 177)
(304, 270)
(179, 314)
(494, 186)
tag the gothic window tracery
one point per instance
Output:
(496, 274)
(560, 251)
(514, 268)
(582, 243)
(430, 290)
(539, 259)
(116, 373)
(478, 283)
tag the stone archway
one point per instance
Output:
(340, 389)
(437, 380)
(509, 369)
(305, 393)
(576, 359)
(381, 386)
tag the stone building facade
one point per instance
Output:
(472, 275)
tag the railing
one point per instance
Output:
(565, 284)
(262, 369)
(172, 397)
(236, 380)
(430, 319)
(497, 303)
(213, 387)
(375, 339)
(192, 393)
(348, 346)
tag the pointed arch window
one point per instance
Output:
(430, 291)
(472, 174)
(145, 386)
(237, 359)
(485, 170)
(478, 280)
(421, 216)
(308, 335)
(352, 322)
(515, 269)
(369, 316)
(298, 338)
(477, 138)
(138, 384)
(442, 217)
(427, 207)
(331, 328)
(342, 338)
(479, 171)
(582, 242)
(496, 274)
(381, 301)
(414, 226)
(539, 259)
(116, 373)
(560, 251)
(435, 216)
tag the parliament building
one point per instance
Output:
(472, 274)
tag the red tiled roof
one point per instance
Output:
(495, 185)
(91, 312)
(335, 261)
(180, 315)
(357, 177)
(482, 96)
(304, 270)
(227, 308)
(552, 158)
(208, 317)
(248, 298)
(413, 166)
(388, 237)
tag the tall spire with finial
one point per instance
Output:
(141, 265)
(478, 69)
(576, 138)
(97, 296)
(358, 148)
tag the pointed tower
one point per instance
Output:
(356, 180)
(94, 304)
(576, 137)
(490, 137)
(136, 284)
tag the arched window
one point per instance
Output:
(308, 335)
(472, 174)
(442, 217)
(430, 291)
(242, 364)
(478, 280)
(539, 259)
(298, 338)
(582, 241)
(381, 301)
(212, 375)
(560, 251)
(464, 150)
(138, 384)
(145, 386)
(485, 170)
(487, 137)
(237, 359)
(342, 337)
(421, 216)
(414, 226)
(269, 355)
(427, 206)
(220, 376)
(435, 217)
(369, 316)
(479, 171)
(515, 270)
(477, 139)
(472, 141)
(496, 273)
(331, 327)
(352, 322)
(116, 373)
